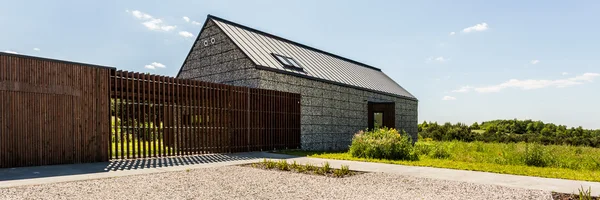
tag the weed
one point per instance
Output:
(310, 167)
(269, 164)
(338, 173)
(294, 165)
(440, 152)
(422, 148)
(585, 194)
(479, 147)
(326, 167)
(345, 169)
(283, 165)
(536, 155)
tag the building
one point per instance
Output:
(339, 96)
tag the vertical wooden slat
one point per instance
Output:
(144, 106)
(196, 114)
(204, 117)
(153, 115)
(163, 108)
(185, 121)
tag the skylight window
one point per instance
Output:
(288, 62)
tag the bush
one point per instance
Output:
(422, 148)
(383, 144)
(440, 152)
(536, 155)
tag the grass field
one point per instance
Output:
(565, 162)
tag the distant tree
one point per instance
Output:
(475, 126)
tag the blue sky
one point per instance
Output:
(466, 61)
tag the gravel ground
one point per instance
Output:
(235, 182)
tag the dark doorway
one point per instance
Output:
(382, 115)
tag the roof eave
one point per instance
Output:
(335, 83)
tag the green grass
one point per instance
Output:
(478, 131)
(149, 150)
(566, 162)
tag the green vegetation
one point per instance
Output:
(560, 161)
(383, 143)
(585, 194)
(148, 148)
(507, 131)
(325, 170)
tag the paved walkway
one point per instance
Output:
(61, 173)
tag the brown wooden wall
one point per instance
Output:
(52, 112)
(163, 116)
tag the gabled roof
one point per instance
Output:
(317, 64)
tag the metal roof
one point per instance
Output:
(317, 64)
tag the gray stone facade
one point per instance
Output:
(331, 113)
(218, 62)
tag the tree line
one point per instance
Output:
(507, 131)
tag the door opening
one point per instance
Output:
(382, 115)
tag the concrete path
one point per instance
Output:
(61, 173)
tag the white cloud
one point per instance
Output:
(531, 84)
(186, 19)
(476, 27)
(140, 15)
(196, 23)
(439, 59)
(151, 22)
(149, 67)
(452, 33)
(186, 34)
(13, 52)
(565, 73)
(463, 89)
(167, 28)
(449, 98)
(159, 65)
(36, 49)
(154, 65)
(533, 62)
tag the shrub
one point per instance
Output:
(479, 146)
(422, 148)
(536, 155)
(383, 144)
(440, 152)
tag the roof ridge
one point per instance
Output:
(290, 41)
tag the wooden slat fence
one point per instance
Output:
(52, 112)
(155, 116)
(59, 112)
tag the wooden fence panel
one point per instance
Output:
(52, 112)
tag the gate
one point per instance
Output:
(155, 116)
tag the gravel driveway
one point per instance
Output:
(236, 182)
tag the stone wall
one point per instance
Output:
(331, 114)
(218, 62)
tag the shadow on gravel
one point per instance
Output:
(131, 164)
